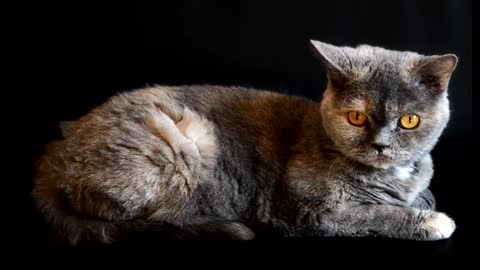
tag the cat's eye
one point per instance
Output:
(409, 121)
(356, 118)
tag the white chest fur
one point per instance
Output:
(403, 172)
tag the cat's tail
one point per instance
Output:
(54, 209)
(75, 228)
(195, 229)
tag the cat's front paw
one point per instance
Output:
(436, 226)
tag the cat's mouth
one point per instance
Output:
(377, 160)
(373, 158)
(382, 161)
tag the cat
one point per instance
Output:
(233, 162)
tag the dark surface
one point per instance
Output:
(72, 56)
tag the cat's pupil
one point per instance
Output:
(357, 116)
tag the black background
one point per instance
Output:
(73, 55)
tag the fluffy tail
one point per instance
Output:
(56, 213)
(75, 228)
(207, 228)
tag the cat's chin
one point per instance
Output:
(381, 165)
(382, 162)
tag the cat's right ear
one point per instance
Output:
(327, 53)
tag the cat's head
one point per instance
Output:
(384, 107)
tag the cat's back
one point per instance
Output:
(238, 113)
(207, 99)
(231, 107)
(245, 115)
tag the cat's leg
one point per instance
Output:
(387, 221)
(190, 150)
(425, 201)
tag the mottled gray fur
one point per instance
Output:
(240, 162)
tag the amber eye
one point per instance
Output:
(409, 121)
(357, 118)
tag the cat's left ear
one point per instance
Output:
(434, 72)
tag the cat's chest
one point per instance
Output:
(402, 173)
(396, 186)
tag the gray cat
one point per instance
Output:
(236, 162)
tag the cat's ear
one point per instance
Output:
(434, 72)
(327, 54)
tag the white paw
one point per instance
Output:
(438, 226)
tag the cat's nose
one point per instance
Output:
(379, 147)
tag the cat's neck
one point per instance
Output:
(313, 139)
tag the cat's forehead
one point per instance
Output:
(384, 80)
(386, 102)
(387, 93)
(375, 63)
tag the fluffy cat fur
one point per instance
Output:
(234, 162)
